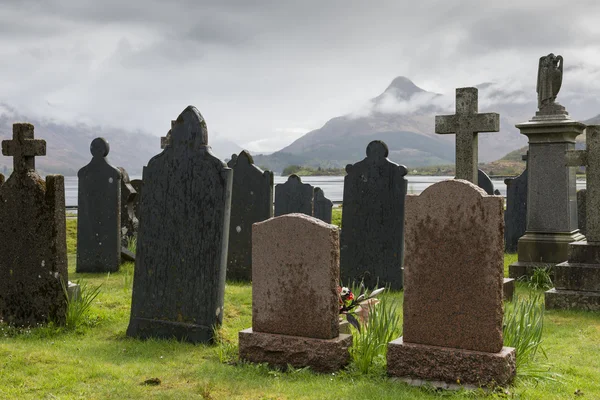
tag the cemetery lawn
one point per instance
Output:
(97, 361)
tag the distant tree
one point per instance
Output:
(291, 169)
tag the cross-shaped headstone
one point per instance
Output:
(590, 158)
(466, 124)
(23, 148)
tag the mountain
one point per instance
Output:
(68, 146)
(403, 116)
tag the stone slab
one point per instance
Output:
(321, 355)
(295, 257)
(581, 210)
(508, 289)
(127, 255)
(293, 196)
(454, 260)
(515, 216)
(145, 328)
(322, 206)
(572, 300)
(575, 276)
(451, 365)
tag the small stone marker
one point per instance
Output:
(293, 196)
(251, 201)
(99, 213)
(295, 256)
(453, 299)
(129, 223)
(577, 281)
(466, 124)
(137, 185)
(322, 206)
(373, 220)
(515, 216)
(33, 237)
(179, 280)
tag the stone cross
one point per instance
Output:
(23, 147)
(590, 158)
(466, 124)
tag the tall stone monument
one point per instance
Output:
(577, 280)
(453, 307)
(33, 235)
(179, 280)
(251, 202)
(293, 196)
(372, 242)
(515, 217)
(295, 255)
(99, 213)
(551, 190)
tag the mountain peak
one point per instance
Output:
(403, 85)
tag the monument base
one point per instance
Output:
(433, 363)
(321, 355)
(73, 290)
(144, 328)
(508, 289)
(572, 300)
(541, 250)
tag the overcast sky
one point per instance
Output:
(264, 72)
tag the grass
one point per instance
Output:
(97, 361)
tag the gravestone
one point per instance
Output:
(515, 217)
(373, 220)
(1, 179)
(99, 213)
(484, 182)
(466, 124)
(129, 223)
(577, 280)
(582, 210)
(137, 186)
(294, 256)
(33, 264)
(251, 201)
(453, 307)
(293, 196)
(179, 279)
(322, 206)
(551, 187)
(165, 140)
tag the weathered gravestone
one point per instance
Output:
(484, 182)
(1, 179)
(99, 213)
(33, 235)
(582, 210)
(515, 217)
(165, 140)
(322, 206)
(179, 280)
(251, 201)
(137, 185)
(295, 257)
(551, 189)
(129, 223)
(453, 298)
(373, 220)
(293, 196)
(577, 280)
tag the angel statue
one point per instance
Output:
(550, 71)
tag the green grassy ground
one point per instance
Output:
(97, 361)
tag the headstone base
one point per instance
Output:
(73, 290)
(539, 250)
(508, 289)
(127, 255)
(572, 300)
(143, 328)
(320, 355)
(433, 363)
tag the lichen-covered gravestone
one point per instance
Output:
(179, 280)
(515, 217)
(453, 271)
(129, 222)
(251, 201)
(99, 213)
(33, 236)
(373, 220)
(137, 185)
(295, 258)
(322, 206)
(293, 196)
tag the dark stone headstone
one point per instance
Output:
(322, 206)
(99, 213)
(515, 216)
(129, 222)
(1, 179)
(33, 259)
(293, 196)
(251, 202)
(181, 259)
(581, 210)
(484, 182)
(372, 240)
(137, 185)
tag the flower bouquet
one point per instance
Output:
(356, 309)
